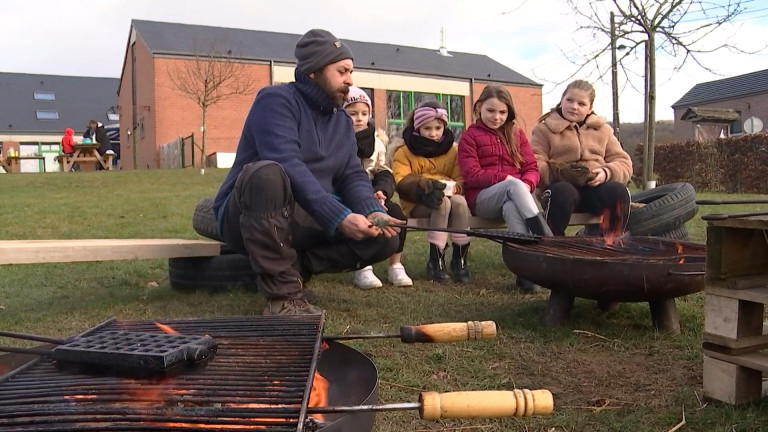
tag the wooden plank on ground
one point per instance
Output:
(51, 251)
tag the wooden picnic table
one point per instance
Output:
(14, 162)
(87, 154)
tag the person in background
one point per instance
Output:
(429, 184)
(499, 168)
(68, 142)
(68, 145)
(372, 153)
(296, 200)
(583, 166)
(98, 134)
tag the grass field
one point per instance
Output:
(614, 374)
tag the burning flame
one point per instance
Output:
(319, 395)
(165, 328)
(611, 229)
(680, 251)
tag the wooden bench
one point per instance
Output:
(478, 222)
(67, 161)
(58, 251)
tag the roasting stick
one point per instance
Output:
(463, 405)
(32, 337)
(433, 333)
(497, 235)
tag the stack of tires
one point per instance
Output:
(664, 212)
(226, 271)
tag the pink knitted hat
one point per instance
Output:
(356, 94)
(425, 115)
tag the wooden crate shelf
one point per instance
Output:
(735, 337)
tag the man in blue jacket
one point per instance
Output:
(296, 199)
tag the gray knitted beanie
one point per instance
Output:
(317, 49)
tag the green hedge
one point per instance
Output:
(732, 165)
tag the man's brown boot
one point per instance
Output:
(290, 306)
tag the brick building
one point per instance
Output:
(722, 107)
(397, 78)
(35, 109)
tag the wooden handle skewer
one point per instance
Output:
(464, 405)
(433, 333)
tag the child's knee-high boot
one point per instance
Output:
(459, 264)
(436, 265)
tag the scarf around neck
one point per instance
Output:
(425, 147)
(366, 142)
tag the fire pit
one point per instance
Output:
(269, 373)
(634, 269)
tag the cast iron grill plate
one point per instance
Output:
(261, 362)
(151, 352)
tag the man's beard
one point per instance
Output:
(338, 94)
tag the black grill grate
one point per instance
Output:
(260, 378)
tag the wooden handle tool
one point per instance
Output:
(485, 404)
(448, 332)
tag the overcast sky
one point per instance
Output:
(533, 37)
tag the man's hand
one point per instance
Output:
(380, 196)
(358, 227)
(388, 231)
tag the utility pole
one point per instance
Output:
(614, 79)
(647, 169)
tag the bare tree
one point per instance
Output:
(676, 27)
(209, 77)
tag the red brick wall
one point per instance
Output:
(146, 153)
(380, 108)
(177, 115)
(527, 100)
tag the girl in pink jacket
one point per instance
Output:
(499, 168)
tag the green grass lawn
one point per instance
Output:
(615, 374)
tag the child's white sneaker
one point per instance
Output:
(365, 279)
(397, 275)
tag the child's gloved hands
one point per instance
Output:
(431, 192)
(574, 173)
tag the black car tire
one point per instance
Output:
(216, 273)
(666, 208)
(679, 233)
(204, 221)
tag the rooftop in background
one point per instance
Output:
(33, 103)
(727, 88)
(186, 39)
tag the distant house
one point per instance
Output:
(721, 108)
(397, 77)
(35, 110)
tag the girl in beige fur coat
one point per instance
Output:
(582, 165)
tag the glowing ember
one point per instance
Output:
(166, 328)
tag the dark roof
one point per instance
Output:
(78, 99)
(725, 115)
(181, 39)
(724, 89)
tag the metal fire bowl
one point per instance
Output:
(611, 279)
(354, 380)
